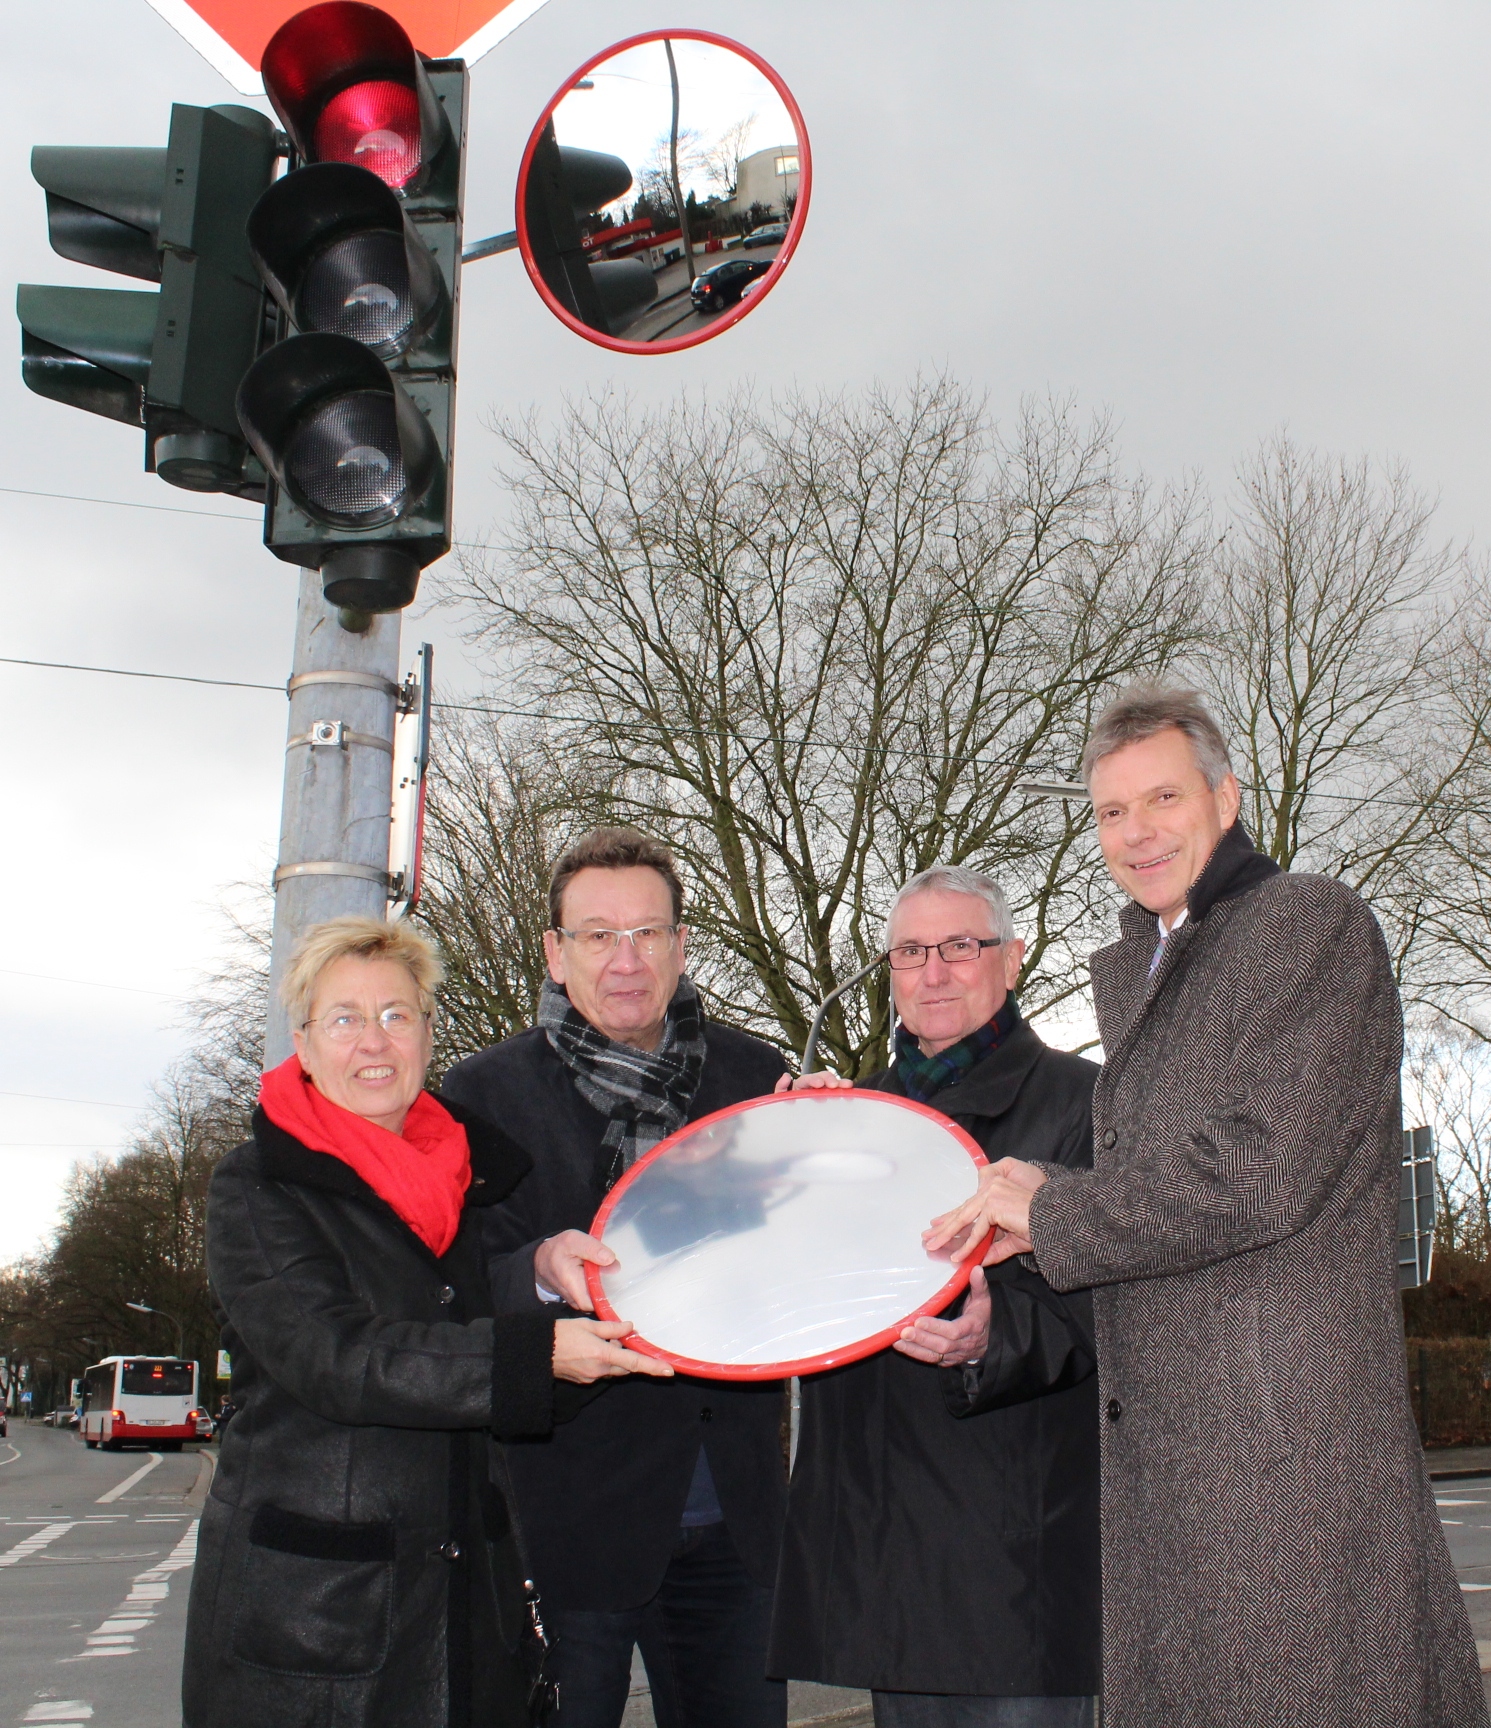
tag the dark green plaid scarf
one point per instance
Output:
(923, 1077)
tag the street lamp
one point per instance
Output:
(145, 1308)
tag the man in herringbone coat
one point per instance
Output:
(1272, 1557)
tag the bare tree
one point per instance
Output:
(1447, 1084)
(721, 160)
(501, 809)
(818, 645)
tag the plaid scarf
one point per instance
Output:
(923, 1077)
(644, 1094)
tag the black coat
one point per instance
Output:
(601, 1498)
(354, 1566)
(929, 1553)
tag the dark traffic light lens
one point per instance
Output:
(359, 287)
(374, 125)
(346, 460)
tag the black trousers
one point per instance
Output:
(703, 1643)
(938, 1710)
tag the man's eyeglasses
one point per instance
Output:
(649, 940)
(343, 1024)
(956, 951)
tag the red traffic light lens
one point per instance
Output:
(374, 125)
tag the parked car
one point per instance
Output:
(769, 234)
(66, 1417)
(4, 1426)
(725, 283)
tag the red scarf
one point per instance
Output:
(422, 1173)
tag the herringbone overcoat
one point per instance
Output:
(1271, 1553)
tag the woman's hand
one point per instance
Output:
(1001, 1205)
(584, 1351)
(559, 1265)
(816, 1082)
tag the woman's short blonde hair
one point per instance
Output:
(365, 939)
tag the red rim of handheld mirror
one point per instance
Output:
(620, 344)
(803, 1364)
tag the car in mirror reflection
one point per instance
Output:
(772, 234)
(722, 286)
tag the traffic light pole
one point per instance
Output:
(338, 783)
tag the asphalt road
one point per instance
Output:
(1465, 1512)
(96, 1552)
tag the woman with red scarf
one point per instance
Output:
(355, 1564)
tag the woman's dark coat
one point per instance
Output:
(601, 1497)
(354, 1567)
(1272, 1556)
(928, 1553)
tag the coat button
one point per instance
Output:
(706, 1414)
(447, 1293)
(1111, 1137)
(478, 1181)
(1115, 1409)
(450, 1550)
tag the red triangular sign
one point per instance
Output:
(231, 34)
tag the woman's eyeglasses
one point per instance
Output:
(342, 1025)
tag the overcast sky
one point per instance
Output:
(1211, 219)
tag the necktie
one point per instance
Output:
(1159, 950)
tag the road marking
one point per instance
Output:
(60, 1710)
(1475, 1586)
(15, 1453)
(1459, 1502)
(23, 1550)
(129, 1481)
(115, 1636)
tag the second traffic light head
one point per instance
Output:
(340, 256)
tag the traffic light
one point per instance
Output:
(562, 184)
(168, 361)
(352, 409)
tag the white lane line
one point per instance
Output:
(30, 1545)
(1475, 1586)
(129, 1481)
(60, 1710)
(116, 1635)
(15, 1452)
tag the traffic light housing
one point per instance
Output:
(167, 361)
(562, 184)
(352, 410)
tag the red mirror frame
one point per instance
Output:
(619, 344)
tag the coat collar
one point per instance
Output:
(1235, 866)
(991, 1086)
(498, 1163)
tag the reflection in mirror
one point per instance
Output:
(784, 1235)
(662, 191)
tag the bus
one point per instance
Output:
(139, 1398)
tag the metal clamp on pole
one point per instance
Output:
(337, 735)
(810, 1049)
(363, 680)
(362, 872)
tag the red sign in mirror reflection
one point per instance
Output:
(663, 191)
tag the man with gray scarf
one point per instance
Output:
(654, 1517)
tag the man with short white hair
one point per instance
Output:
(1272, 1556)
(942, 1524)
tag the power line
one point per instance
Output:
(125, 504)
(125, 672)
(89, 984)
(51, 1098)
(586, 720)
